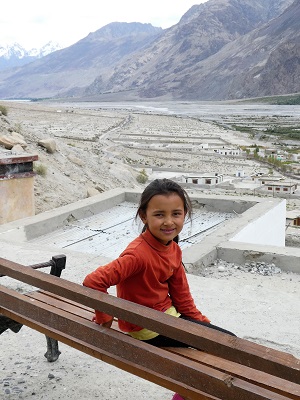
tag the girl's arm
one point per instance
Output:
(182, 299)
(110, 275)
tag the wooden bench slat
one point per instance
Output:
(265, 380)
(100, 353)
(189, 377)
(232, 348)
(64, 299)
(62, 304)
(271, 382)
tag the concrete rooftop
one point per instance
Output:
(236, 229)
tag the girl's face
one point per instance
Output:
(164, 216)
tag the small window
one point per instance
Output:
(195, 181)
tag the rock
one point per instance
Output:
(75, 160)
(99, 189)
(6, 142)
(48, 144)
(17, 136)
(18, 149)
(255, 268)
(91, 192)
(9, 141)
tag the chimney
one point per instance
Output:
(16, 187)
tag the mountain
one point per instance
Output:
(264, 62)
(170, 67)
(79, 64)
(14, 55)
(186, 61)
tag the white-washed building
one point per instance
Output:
(228, 151)
(204, 179)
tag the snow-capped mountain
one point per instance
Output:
(48, 48)
(14, 55)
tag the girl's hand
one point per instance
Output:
(105, 324)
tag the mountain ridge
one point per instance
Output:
(77, 65)
(177, 79)
(185, 61)
(260, 72)
(14, 55)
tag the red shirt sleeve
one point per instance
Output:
(106, 276)
(181, 296)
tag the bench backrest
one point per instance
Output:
(138, 357)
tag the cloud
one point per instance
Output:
(34, 22)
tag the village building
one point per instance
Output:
(285, 187)
(228, 151)
(210, 180)
(240, 174)
(293, 218)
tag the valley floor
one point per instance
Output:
(102, 148)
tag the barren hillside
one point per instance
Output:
(100, 149)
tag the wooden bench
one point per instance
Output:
(217, 366)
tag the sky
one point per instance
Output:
(33, 23)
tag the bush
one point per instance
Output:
(40, 169)
(142, 177)
(3, 110)
(18, 128)
(290, 100)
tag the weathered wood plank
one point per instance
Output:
(270, 382)
(187, 377)
(62, 304)
(232, 348)
(260, 378)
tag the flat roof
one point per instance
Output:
(109, 232)
(101, 226)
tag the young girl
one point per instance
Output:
(150, 270)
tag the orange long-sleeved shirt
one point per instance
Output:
(147, 273)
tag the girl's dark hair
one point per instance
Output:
(163, 187)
